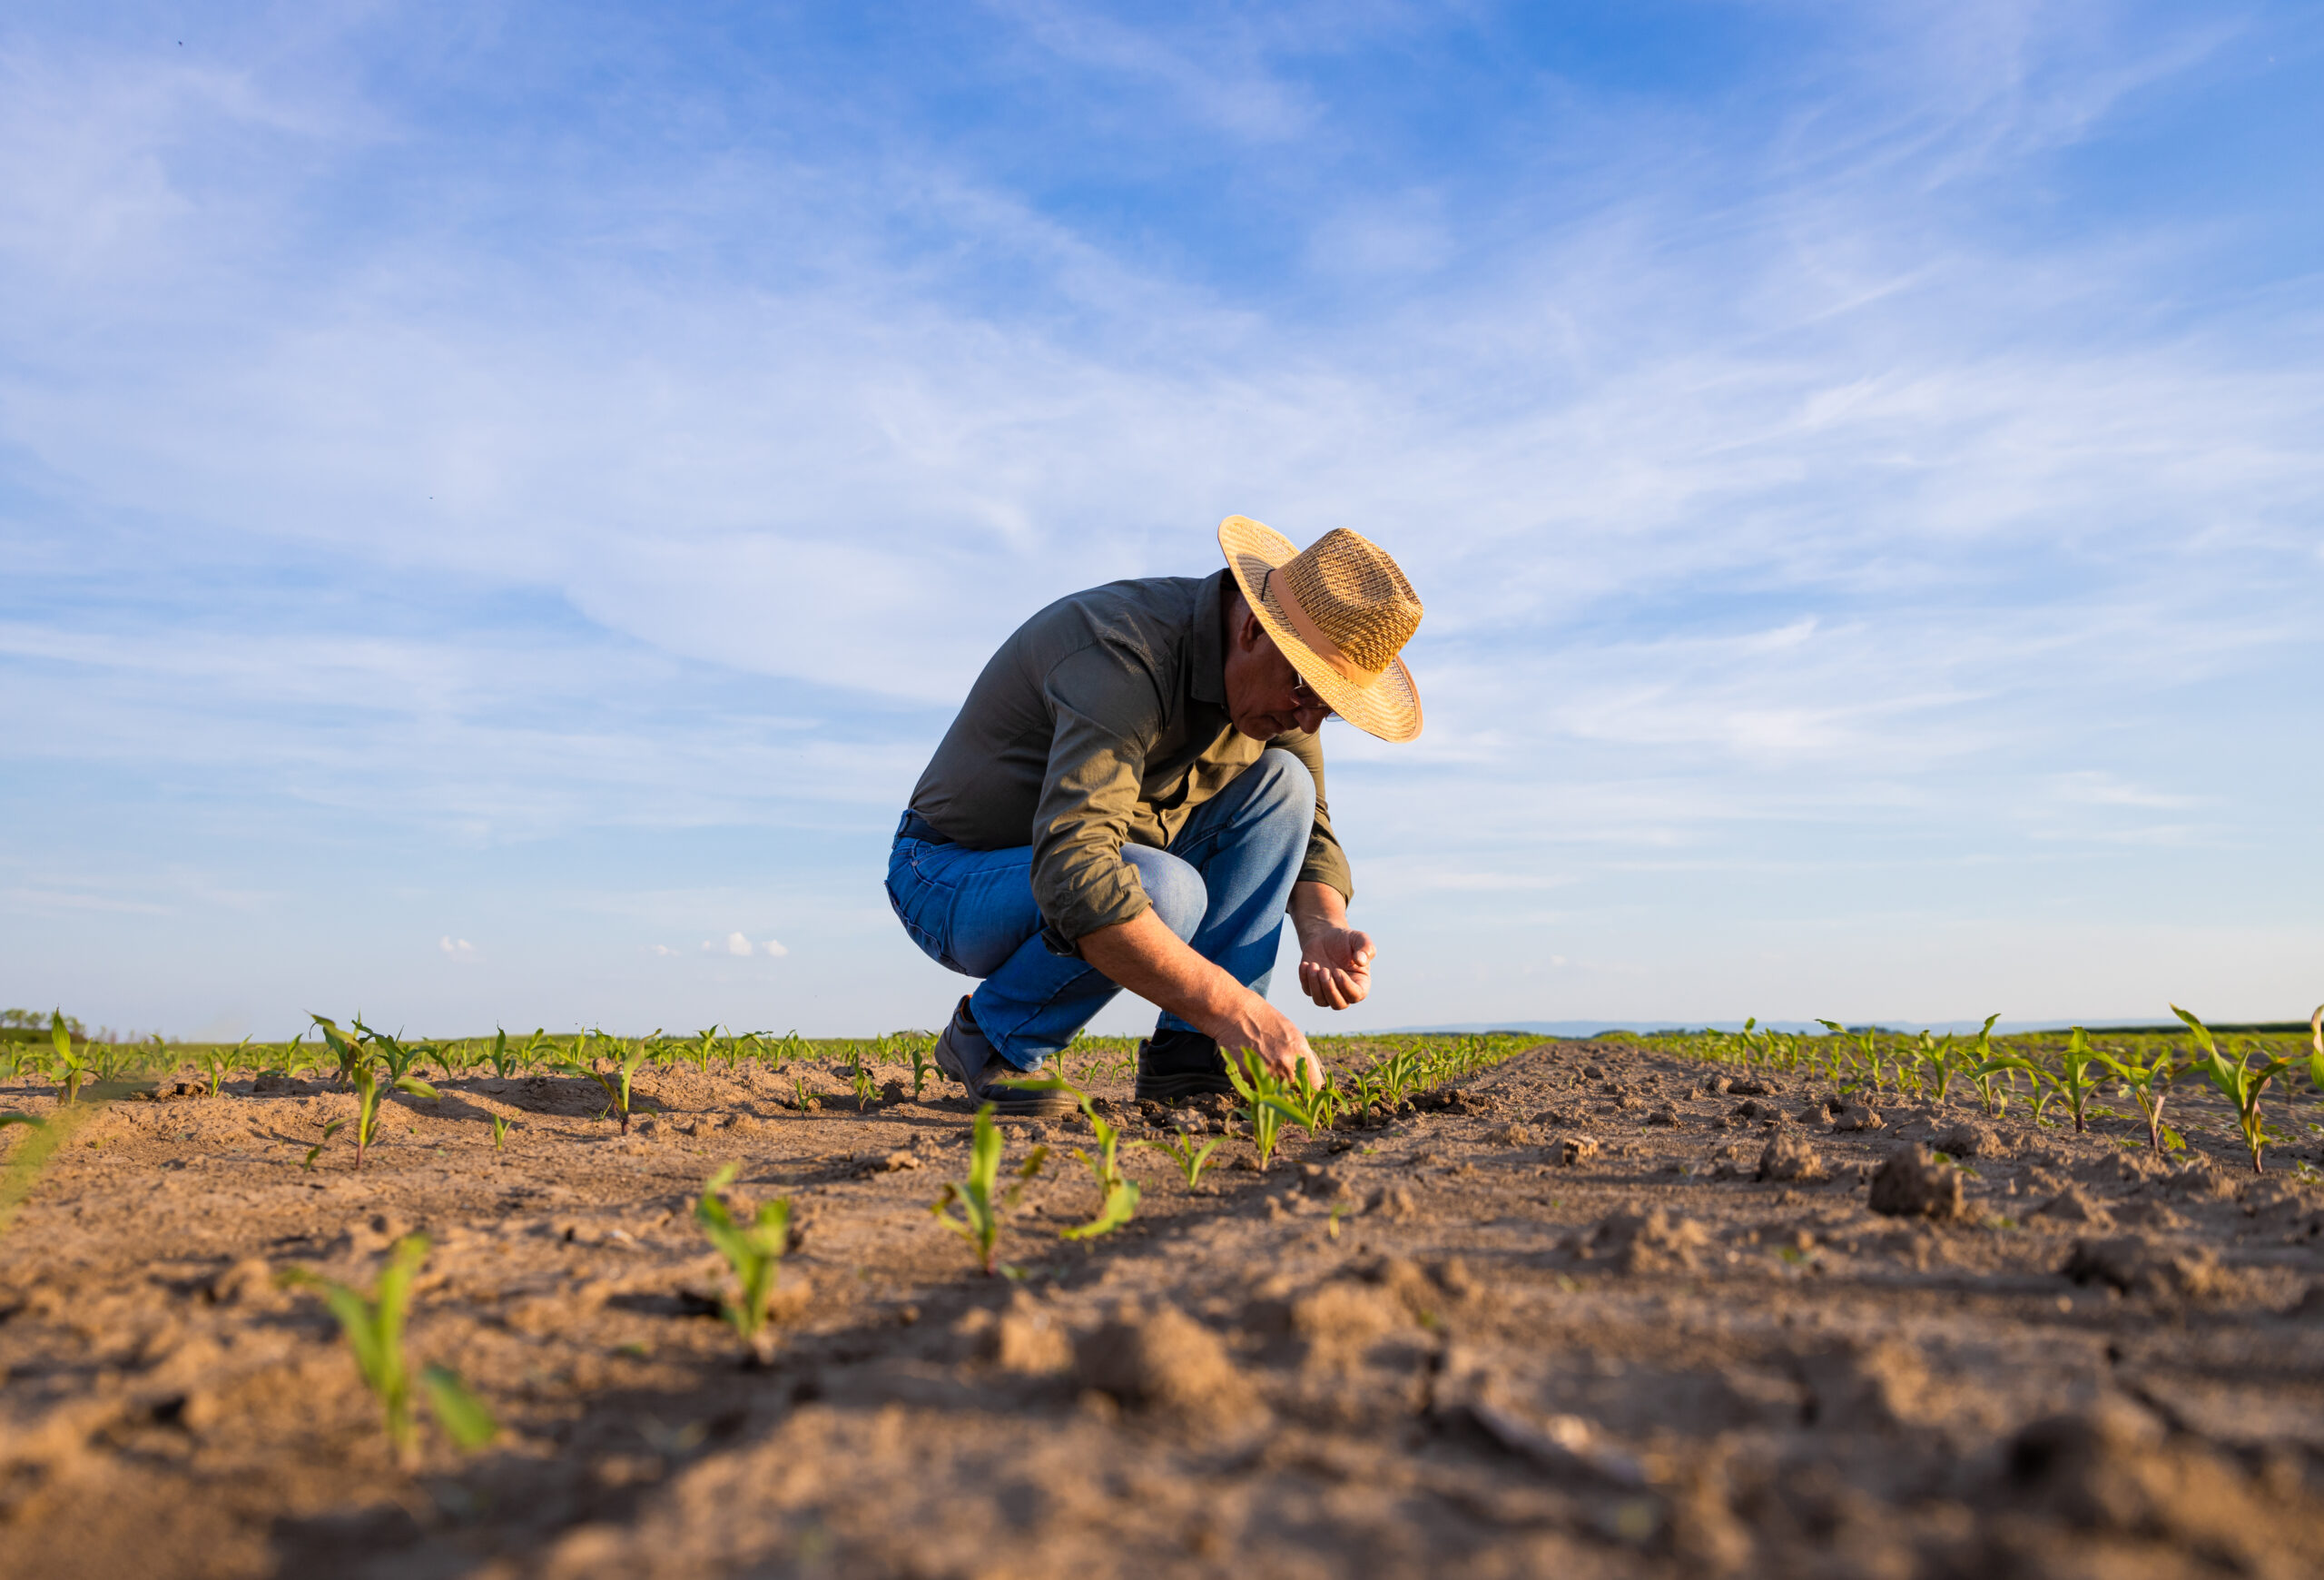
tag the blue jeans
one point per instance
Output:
(1221, 886)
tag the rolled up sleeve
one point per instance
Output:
(1325, 862)
(1102, 700)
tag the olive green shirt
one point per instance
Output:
(1103, 722)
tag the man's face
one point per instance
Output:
(1265, 696)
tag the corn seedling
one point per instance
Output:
(69, 1067)
(798, 1093)
(1306, 1104)
(704, 1046)
(374, 1326)
(1117, 1192)
(2239, 1082)
(752, 1248)
(922, 1067)
(348, 1051)
(860, 1080)
(1986, 1070)
(368, 1090)
(2074, 1080)
(1189, 1157)
(978, 1219)
(615, 1082)
(390, 1051)
(500, 1128)
(1938, 1055)
(1262, 1091)
(2149, 1085)
(217, 1063)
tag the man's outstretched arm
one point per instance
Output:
(1144, 956)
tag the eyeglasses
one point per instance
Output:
(1305, 696)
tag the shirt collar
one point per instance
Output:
(1209, 638)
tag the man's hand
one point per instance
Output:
(1335, 960)
(1144, 956)
(1335, 967)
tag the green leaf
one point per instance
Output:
(460, 1413)
(417, 1087)
(2203, 1033)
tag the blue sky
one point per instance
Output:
(497, 501)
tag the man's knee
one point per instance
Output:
(1283, 787)
(1174, 888)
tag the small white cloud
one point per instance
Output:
(774, 947)
(737, 944)
(457, 948)
(664, 949)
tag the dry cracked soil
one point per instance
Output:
(1599, 1312)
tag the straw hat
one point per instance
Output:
(1339, 609)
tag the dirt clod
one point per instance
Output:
(1914, 1184)
(1646, 1242)
(1787, 1156)
(1968, 1139)
(1159, 1360)
(2073, 1205)
(2136, 1264)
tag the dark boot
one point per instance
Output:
(1172, 1066)
(963, 1053)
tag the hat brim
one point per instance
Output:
(1388, 708)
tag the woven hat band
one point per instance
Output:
(1278, 587)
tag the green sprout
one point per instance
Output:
(922, 1067)
(1987, 1069)
(499, 1059)
(500, 1128)
(365, 1078)
(2239, 1082)
(754, 1248)
(1306, 1104)
(350, 1051)
(862, 1082)
(1117, 1192)
(1263, 1091)
(978, 1220)
(2072, 1079)
(1189, 1157)
(217, 1063)
(615, 1082)
(374, 1325)
(69, 1067)
(2149, 1085)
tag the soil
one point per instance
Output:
(1590, 1314)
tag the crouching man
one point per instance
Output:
(1132, 797)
